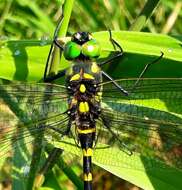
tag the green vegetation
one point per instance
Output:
(24, 19)
(26, 30)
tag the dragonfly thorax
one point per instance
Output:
(83, 80)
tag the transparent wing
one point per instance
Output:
(148, 122)
(29, 110)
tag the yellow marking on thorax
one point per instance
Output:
(86, 131)
(87, 152)
(88, 76)
(88, 177)
(82, 88)
(83, 107)
(75, 77)
(95, 68)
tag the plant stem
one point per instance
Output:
(62, 30)
(172, 18)
(54, 63)
(146, 12)
(68, 6)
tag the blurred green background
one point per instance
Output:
(27, 19)
(36, 19)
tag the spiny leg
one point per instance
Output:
(119, 54)
(115, 83)
(96, 139)
(125, 148)
(55, 42)
(59, 130)
(145, 70)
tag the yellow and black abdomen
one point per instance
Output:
(86, 139)
(83, 86)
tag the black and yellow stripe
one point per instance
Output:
(87, 168)
(84, 107)
(87, 137)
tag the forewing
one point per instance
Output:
(29, 112)
(148, 122)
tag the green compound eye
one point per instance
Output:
(91, 48)
(72, 50)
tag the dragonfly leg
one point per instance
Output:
(115, 83)
(55, 43)
(96, 140)
(145, 69)
(60, 73)
(58, 130)
(124, 147)
(117, 55)
(75, 137)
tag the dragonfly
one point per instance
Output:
(94, 111)
(129, 123)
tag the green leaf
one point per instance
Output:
(52, 64)
(25, 60)
(143, 43)
(155, 178)
(43, 21)
(46, 188)
(134, 168)
(145, 14)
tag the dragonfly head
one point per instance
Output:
(81, 37)
(83, 46)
